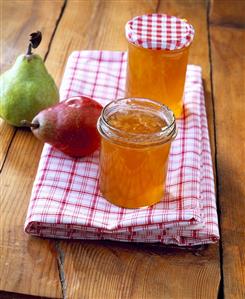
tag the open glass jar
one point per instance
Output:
(136, 138)
(158, 49)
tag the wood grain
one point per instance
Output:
(17, 20)
(228, 13)
(6, 135)
(28, 264)
(99, 270)
(228, 57)
(92, 25)
(122, 271)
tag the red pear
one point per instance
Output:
(70, 126)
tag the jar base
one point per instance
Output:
(132, 204)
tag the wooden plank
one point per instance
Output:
(18, 20)
(28, 265)
(117, 270)
(228, 12)
(228, 59)
(6, 135)
(111, 270)
(92, 25)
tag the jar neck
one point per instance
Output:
(116, 135)
(162, 51)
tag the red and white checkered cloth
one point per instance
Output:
(159, 31)
(66, 201)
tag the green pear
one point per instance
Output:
(26, 88)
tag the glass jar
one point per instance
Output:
(136, 136)
(161, 77)
(157, 59)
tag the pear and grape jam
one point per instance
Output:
(136, 136)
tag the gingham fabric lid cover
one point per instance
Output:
(159, 31)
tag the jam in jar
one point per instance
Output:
(158, 49)
(136, 136)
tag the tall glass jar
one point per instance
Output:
(136, 138)
(158, 49)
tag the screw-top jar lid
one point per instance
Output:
(159, 31)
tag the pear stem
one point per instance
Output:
(29, 52)
(35, 40)
(28, 124)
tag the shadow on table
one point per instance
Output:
(10, 295)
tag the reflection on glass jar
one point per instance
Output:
(136, 138)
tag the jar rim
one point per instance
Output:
(166, 134)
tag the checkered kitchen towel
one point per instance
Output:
(66, 201)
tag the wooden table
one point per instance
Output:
(98, 270)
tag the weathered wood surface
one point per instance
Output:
(88, 25)
(100, 270)
(17, 20)
(228, 60)
(97, 270)
(27, 265)
(228, 13)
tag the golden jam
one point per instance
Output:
(139, 122)
(158, 75)
(134, 153)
